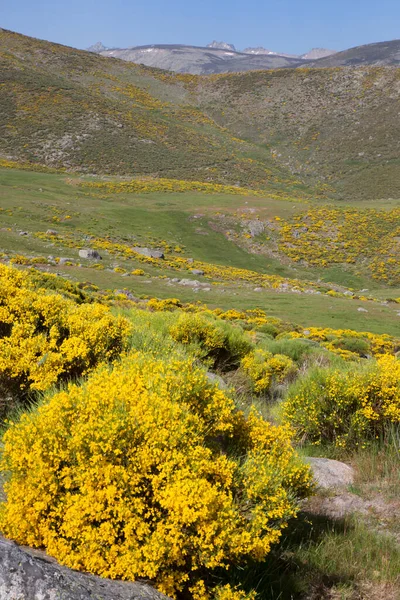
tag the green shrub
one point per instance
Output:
(219, 342)
(347, 405)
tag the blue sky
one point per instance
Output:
(282, 25)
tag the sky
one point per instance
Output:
(292, 26)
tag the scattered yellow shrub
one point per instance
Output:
(220, 342)
(345, 406)
(45, 337)
(263, 368)
(147, 470)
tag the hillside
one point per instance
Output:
(381, 53)
(297, 132)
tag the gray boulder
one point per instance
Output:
(255, 227)
(217, 379)
(27, 574)
(51, 232)
(197, 271)
(330, 474)
(63, 260)
(89, 254)
(149, 252)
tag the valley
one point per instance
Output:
(199, 327)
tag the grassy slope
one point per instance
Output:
(275, 129)
(35, 202)
(67, 108)
(340, 125)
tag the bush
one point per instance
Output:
(147, 470)
(345, 406)
(263, 368)
(45, 338)
(222, 343)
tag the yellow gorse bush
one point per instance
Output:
(45, 336)
(222, 343)
(147, 470)
(346, 406)
(263, 368)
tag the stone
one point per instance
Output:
(197, 271)
(330, 474)
(255, 227)
(258, 289)
(192, 282)
(89, 254)
(51, 232)
(148, 252)
(27, 574)
(23, 233)
(360, 309)
(217, 379)
(63, 260)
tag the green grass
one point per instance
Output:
(30, 200)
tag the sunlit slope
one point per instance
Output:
(70, 109)
(340, 126)
(302, 131)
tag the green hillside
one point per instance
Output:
(293, 132)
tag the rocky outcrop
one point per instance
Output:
(149, 252)
(27, 574)
(89, 254)
(331, 474)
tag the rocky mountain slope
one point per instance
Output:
(289, 131)
(221, 57)
(199, 61)
(382, 53)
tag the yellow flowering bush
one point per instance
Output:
(222, 343)
(148, 470)
(45, 337)
(263, 368)
(345, 406)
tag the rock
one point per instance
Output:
(214, 378)
(175, 280)
(255, 227)
(23, 233)
(348, 293)
(258, 289)
(192, 282)
(330, 474)
(89, 253)
(127, 294)
(27, 574)
(148, 252)
(51, 232)
(190, 261)
(197, 271)
(360, 309)
(63, 260)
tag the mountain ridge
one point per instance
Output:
(221, 57)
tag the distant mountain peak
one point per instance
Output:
(316, 53)
(98, 47)
(258, 50)
(222, 46)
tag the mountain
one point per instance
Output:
(199, 61)
(97, 48)
(220, 57)
(288, 131)
(221, 46)
(381, 53)
(316, 53)
(260, 50)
